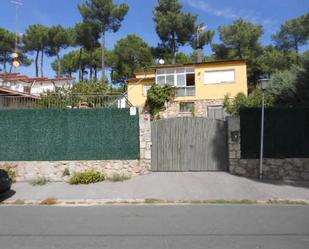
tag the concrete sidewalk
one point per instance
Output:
(169, 186)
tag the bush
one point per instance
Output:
(11, 171)
(87, 177)
(40, 181)
(118, 178)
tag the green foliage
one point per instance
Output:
(119, 178)
(11, 171)
(66, 172)
(174, 27)
(240, 40)
(40, 181)
(254, 99)
(106, 15)
(87, 177)
(36, 40)
(131, 54)
(293, 34)
(58, 38)
(157, 97)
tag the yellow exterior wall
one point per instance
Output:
(136, 92)
(202, 91)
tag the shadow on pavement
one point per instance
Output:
(6, 195)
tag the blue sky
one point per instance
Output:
(270, 13)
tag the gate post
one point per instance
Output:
(145, 141)
(234, 149)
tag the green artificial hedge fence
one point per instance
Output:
(286, 133)
(68, 134)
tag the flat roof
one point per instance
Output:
(10, 92)
(198, 63)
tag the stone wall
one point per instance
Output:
(53, 170)
(200, 109)
(273, 169)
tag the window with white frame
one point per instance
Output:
(220, 76)
(177, 77)
(146, 89)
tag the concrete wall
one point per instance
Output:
(273, 169)
(53, 170)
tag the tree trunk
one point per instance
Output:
(59, 65)
(80, 73)
(103, 55)
(42, 59)
(174, 49)
(96, 73)
(297, 55)
(4, 65)
(90, 77)
(37, 63)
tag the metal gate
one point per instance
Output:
(189, 144)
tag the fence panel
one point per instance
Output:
(286, 133)
(68, 134)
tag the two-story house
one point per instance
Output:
(201, 87)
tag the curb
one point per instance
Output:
(149, 201)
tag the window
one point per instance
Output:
(186, 107)
(183, 78)
(146, 89)
(223, 76)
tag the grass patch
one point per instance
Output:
(87, 177)
(287, 202)
(118, 178)
(236, 202)
(19, 202)
(49, 201)
(154, 201)
(40, 181)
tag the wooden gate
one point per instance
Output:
(189, 144)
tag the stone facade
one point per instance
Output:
(200, 109)
(273, 169)
(53, 170)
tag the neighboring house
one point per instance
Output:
(201, 87)
(33, 86)
(10, 99)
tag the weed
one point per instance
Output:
(153, 201)
(11, 171)
(66, 172)
(19, 202)
(49, 201)
(119, 178)
(40, 181)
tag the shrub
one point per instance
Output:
(11, 171)
(119, 178)
(87, 177)
(39, 181)
(66, 172)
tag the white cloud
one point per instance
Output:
(231, 13)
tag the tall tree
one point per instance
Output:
(7, 46)
(35, 40)
(200, 39)
(132, 54)
(174, 27)
(87, 36)
(58, 38)
(240, 40)
(107, 15)
(293, 34)
(69, 63)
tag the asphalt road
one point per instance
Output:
(155, 227)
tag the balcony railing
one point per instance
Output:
(186, 91)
